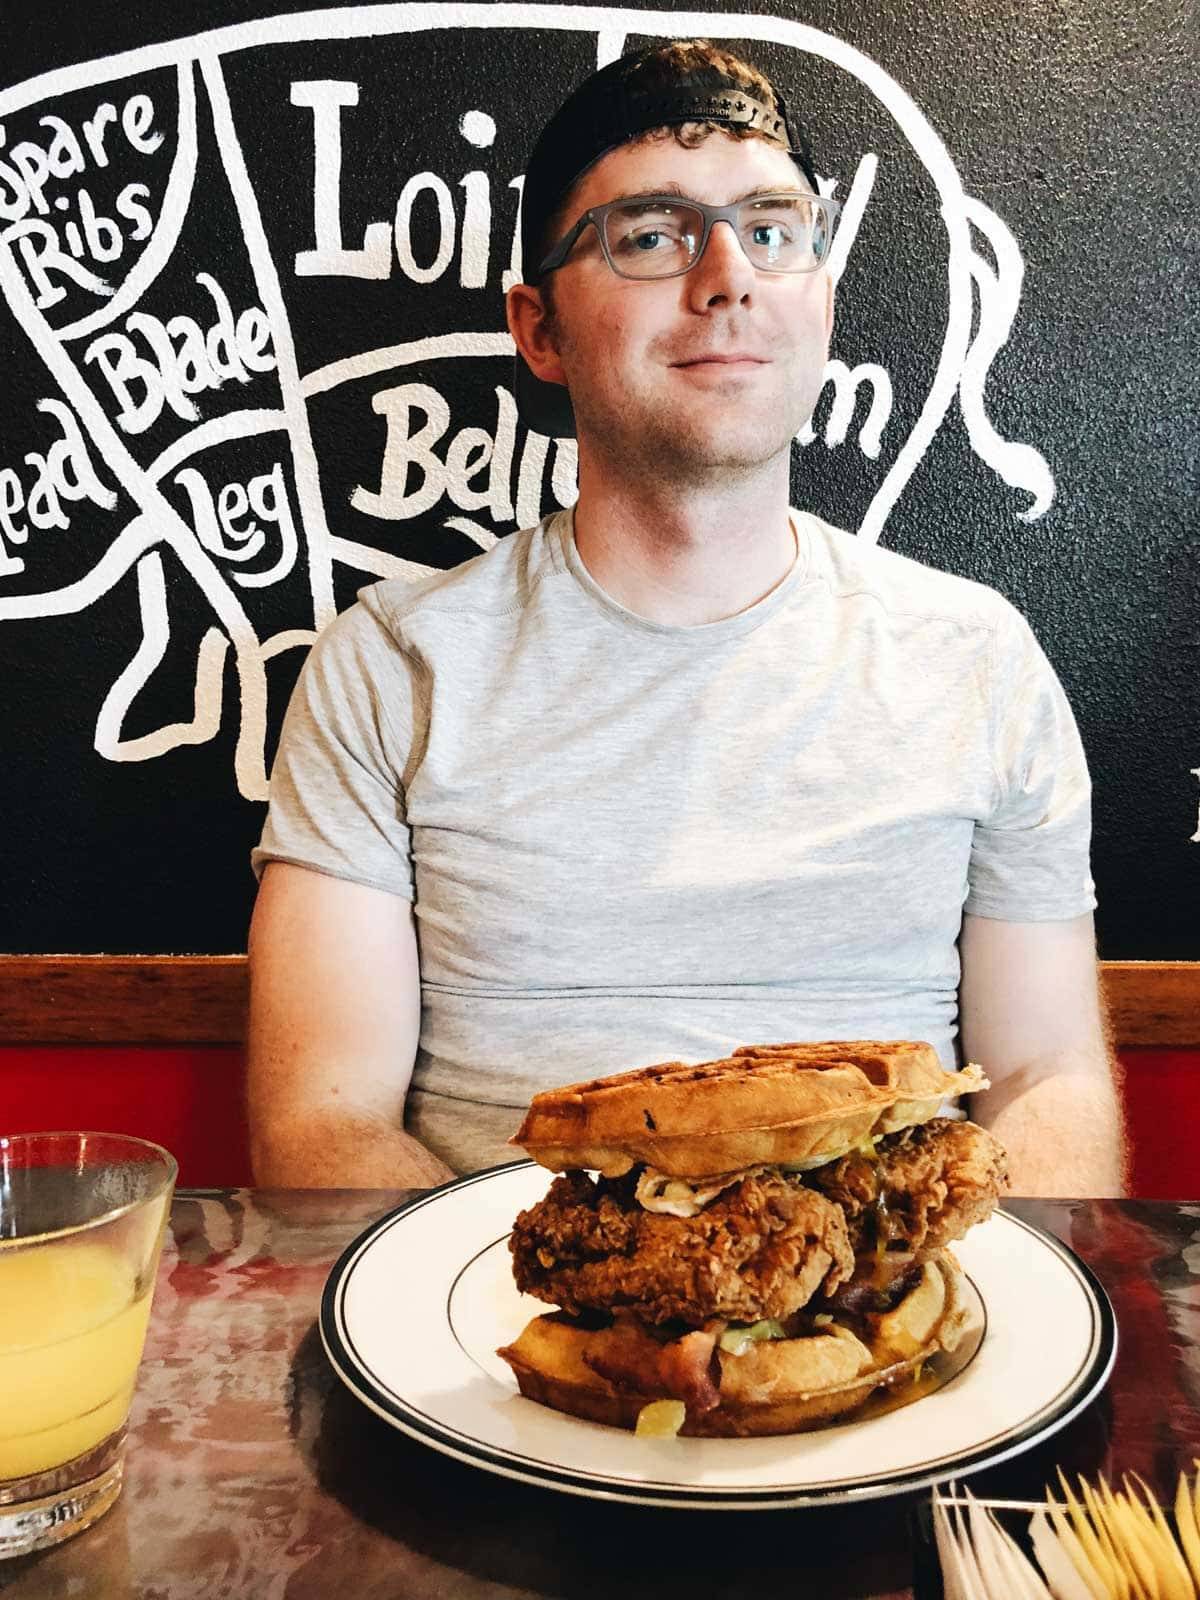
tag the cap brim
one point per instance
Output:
(542, 407)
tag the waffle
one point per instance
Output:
(762, 1105)
(776, 1386)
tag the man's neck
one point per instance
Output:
(686, 556)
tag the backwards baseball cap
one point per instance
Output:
(620, 101)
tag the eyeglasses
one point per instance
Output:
(662, 236)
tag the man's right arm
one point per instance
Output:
(335, 1010)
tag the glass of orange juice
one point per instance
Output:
(81, 1227)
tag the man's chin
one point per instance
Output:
(684, 448)
(721, 452)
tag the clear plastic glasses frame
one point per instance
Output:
(742, 215)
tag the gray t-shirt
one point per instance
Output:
(631, 842)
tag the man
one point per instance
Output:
(685, 769)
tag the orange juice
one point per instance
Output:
(72, 1327)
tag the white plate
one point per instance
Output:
(416, 1307)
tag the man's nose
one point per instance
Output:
(723, 273)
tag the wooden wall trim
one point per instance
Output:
(122, 999)
(166, 1000)
(1153, 1003)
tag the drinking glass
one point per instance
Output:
(82, 1217)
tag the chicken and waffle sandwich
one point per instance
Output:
(757, 1242)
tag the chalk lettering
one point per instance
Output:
(33, 168)
(326, 98)
(846, 385)
(64, 155)
(513, 275)
(330, 257)
(105, 241)
(185, 358)
(96, 237)
(564, 478)
(425, 182)
(132, 209)
(29, 167)
(476, 230)
(479, 129)
(12, 500)
(94, 128)
(137, 114)
(38, 245)
(405, 451)
(64, 472)
(529, 479)
(476, 472)
(228, 524)
(468, 453)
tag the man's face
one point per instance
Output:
(714, 371)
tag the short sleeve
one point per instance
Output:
(336, 795)
(1030, 855)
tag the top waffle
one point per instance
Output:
(763, 1105)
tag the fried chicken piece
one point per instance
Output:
(763, 1248)
(925, 1187)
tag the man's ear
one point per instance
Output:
(829, 298)
(533, 332)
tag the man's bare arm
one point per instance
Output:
(1031, 1015)
(335, 1009)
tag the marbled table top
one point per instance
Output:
(253, 1474)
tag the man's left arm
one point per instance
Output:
(1031, 1015)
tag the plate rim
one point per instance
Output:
(1087, 1382)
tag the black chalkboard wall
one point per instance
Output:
(254, 359)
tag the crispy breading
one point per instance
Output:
(925, 1187)
(761, 1249)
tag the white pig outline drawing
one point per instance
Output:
(982, 303)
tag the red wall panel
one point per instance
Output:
(188, 1099)
(1162, 1102)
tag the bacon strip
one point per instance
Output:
(629, 1358)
